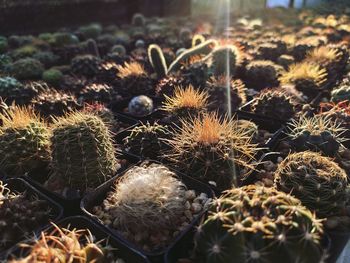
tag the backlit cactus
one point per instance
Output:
(24, 141)
(157, 60)
(319, 133)
(82, 148)
(224, 60)
(257, 224)
(317, 181)
(213, 149)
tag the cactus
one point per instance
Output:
(224, 60)
(85, 65)
(103, 112)
(213, 150)
(195, 71)
(342, 91)
(197, 40)
(257, 224)
(146, 140)
(274, 104)
(186, 102)
(47, 58)
(218, 94)
(307, 78)
(157, 208)
(27, 68)
(157, 60)
(134, 80)
(318, 182)
(120, 49)
(318, 133)
(24, 141)
(20, 214)
(261, 74)
(166, 86)
(61, 39)
(201, 50)
(83, 155)
(96, 93)
(65, 245)
(91, 31)
(138, 20)
(53, 77)
(54, 103)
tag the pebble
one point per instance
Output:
(190, 194)
(196, 208)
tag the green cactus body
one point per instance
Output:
(145, 140)
(53, 77)
(91, 31)
(224, 60)
(24, 142)
(85, 65)
(201, 50)
(27, 68)
(156, 57)
(317, 181)
(83, 154)
(256, 224)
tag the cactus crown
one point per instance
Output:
(185, 98)
(158, 205)
(132, 69)
(316, 125)
(18, 117)
(323, 54)
(304, 70)
(66, 245)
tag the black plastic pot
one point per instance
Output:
(338, 241)
(96, 197)
(81, 222)
(71, 204)
(19, 185)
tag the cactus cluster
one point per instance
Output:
(213, 149)
(24, 141)
(320, 184)
(83, 155)
(257, 224)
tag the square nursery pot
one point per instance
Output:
(70, 204)
(81, 222)
(96, 198)
(19, 185)
(121, 107)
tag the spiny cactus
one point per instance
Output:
(318, 133)
(24, 141)
(217, 88)
(317, 181)
(157, 60)
(186, 102)
(342, 91)
(20, 214)
(224, 60)
(166, 86)
(274, 104)
(261, 74)
(95, 92)
(83, 155)
(134, 80)
(53, 77)
(65, 245)
(201, 50)
(146, 140)
(54, 103)
(85, 65)
(213, 149)
(257, 224)
(27, 68)
(307, 78)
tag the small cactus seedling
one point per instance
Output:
(157, 60)
(318, 133)
(146, 140)
(83, 155)
(317, 181)
(274, 104)
(307, 78)
(257, 224)
(212, 149)
(134, 80)
(24, 141)
(64, 245)
(186, 102)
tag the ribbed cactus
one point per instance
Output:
(24, 141)
(201, 50)
(224, 60)
(27, 68)
(157, 60)
(82, 148)
(213, 149)
(317, 181)
(318, 133)
(256, 224)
